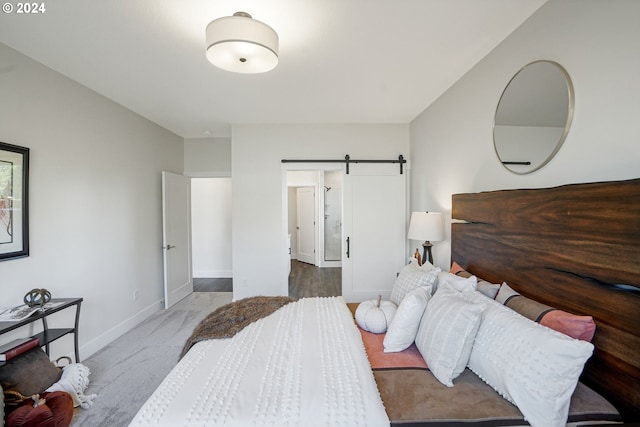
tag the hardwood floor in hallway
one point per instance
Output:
(213, 285)
(305, 280)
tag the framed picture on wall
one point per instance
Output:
(14, 201)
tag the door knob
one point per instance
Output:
(169, 247)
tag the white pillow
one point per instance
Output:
(461, 284)
(488, 289)
(530, 365)
(404, 326)
(446, 333)
(412, 276)
(505, 293)
(426, 265)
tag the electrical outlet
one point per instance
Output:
(135, 295)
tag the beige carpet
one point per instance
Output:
(127, 371)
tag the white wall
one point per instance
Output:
(95, 200)
(207, 157)
(597, 42)
(310, 178)
(211, 225)
(210, 205)
(259, 189)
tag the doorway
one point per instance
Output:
(306, 224)
(373, 224)
(314, 221)
(211, 234)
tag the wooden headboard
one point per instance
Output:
(576, 248)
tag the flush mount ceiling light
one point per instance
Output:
(241, 44)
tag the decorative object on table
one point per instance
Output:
(427, 226)
(37, 297)
(17, 313)
(417, 256)
(23, 315)
(375, 315)
(14, 201)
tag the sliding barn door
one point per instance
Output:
(374, 230)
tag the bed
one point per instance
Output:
(574, 249)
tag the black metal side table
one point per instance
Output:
(49, 335)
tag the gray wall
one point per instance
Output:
(95, 200)
(597, 42)
(208, 160)
(207, 157)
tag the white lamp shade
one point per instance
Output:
(241, 44)
(427, 226)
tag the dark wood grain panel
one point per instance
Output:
(568, 247)
(577, 208)
(618, 344)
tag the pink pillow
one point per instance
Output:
(578, 327)
(455, 268)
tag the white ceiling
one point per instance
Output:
(341, 61)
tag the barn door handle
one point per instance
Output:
(348, 249)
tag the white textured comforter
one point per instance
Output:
(303, 366)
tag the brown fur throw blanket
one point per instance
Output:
(231, 318)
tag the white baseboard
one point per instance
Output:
(117, 331)
(212, 274)
(330, 263)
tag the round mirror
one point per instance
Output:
(533, 116)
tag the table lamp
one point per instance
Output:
(427, 226)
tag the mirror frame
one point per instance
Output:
(567, 126)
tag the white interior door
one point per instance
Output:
(305, 204)
(176, 237)
(374, 230)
